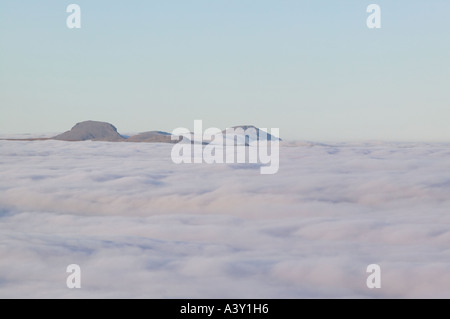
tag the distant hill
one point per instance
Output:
(91, 130)
(259, 133)
(102, 131)
(242, 135)
(152, 137)
(247, 135)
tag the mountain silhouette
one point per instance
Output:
(152, 137)
(102, 131)
(91, 130)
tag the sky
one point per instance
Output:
(310, 68)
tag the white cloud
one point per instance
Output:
(141, 226)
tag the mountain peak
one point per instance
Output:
(253, 133)
(91, 130)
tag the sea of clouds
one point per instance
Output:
(141, 226)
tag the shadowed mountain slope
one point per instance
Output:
(91, 130)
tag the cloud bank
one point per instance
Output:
(141, 226)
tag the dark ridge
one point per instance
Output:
(93, 131)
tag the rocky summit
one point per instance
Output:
(91, 130)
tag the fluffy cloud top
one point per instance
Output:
(142, 226)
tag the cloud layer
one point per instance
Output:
(141, 226)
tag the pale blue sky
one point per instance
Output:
(311, 68)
